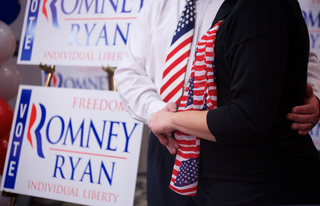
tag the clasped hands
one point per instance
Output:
(304, 118)
(160, 126)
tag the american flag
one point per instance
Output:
(200, 94)
(177, 58)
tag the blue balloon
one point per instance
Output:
(9, 10)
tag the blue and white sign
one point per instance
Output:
(72, 145)
(315, 134)
(311, 14)
(78, 77)
(76, 32)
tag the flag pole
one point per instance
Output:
(111, 81)
(50, 70)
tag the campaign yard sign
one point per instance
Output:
(72, 145)
(78, 77)
(311, 14)
(76, 32)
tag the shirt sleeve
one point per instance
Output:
(314, 73)
(137, 90)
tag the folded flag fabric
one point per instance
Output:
(200, 94)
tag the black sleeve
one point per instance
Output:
(257, 72)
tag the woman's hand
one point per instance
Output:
(160, 124)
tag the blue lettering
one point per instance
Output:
(102, 7)
(103, 35)
(87, 173)
(59, 76)
(59, 167)
(72, 81)
(88, 6)
(118, 30)
(99, 82)
(106, 173)
(97, 6)
(16, 144)
(110, 136)
(92, 83)
(73, 138)
(311, 21)
(29, 35)
(64, 10)
(55, 129)
(79, 168)
(127, 136)
(123, 33)
(74, 35)
(73, 167)
(115, 6)
(314, 40)
(141, 5)
(99, 140)
(77, 84)
(89, 32)
(123, 7)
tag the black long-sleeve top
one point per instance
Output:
(261, 57)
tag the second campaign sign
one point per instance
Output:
(76, 32)
(72, 145)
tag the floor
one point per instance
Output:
(140, 198)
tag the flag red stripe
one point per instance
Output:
(175, 63)
(180, 46)
(173, 92)
(172, 79)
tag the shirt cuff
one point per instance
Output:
(154, 107)
(319, 106)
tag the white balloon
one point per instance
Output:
(10, 79)
(7, 42)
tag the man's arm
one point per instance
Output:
(305, 117)
(314, 73)
(136, 88)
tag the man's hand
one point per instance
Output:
(159, 126)
(305, 116)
